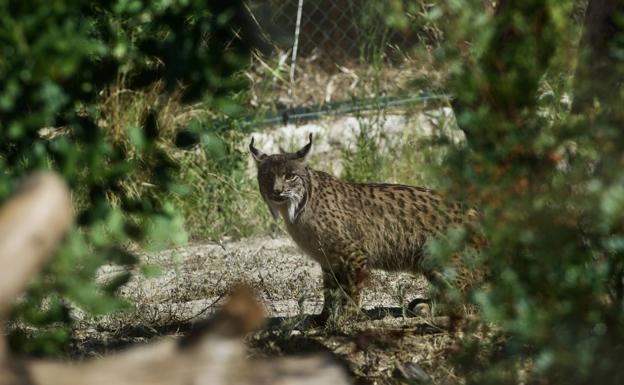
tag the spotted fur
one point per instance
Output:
(350, 228)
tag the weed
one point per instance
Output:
(412, 159)
(365, 161)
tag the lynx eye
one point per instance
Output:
(291, 177)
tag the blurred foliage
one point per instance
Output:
(548, 181)
(56, 59)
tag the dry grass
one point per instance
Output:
(316, 84)
(194, 279)
(216, 197)
(373, 351)
(123, 109)
(123, 113)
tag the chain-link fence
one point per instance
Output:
(335, 30)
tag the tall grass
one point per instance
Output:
(406, 157)
(221, 198)
(217, 195)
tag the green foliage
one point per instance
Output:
(406, 158)
(56, 58)
(222, 197)
(548, 184)
(365, 161)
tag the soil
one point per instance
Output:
(383, 344)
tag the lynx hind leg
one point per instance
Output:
(343, 284)
(448, 294)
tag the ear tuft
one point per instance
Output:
(303, 152)
(257, 154)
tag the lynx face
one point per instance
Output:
(282, 180)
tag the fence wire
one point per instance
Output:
(334, 30)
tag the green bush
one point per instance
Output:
(548, 182)
(57, 57)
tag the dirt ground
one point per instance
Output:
(381, 345)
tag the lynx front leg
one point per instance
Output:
(342, 285)
(332, 294)
(359, 275)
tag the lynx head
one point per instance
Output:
(283, 179)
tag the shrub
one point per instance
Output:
(548, 183)
(57, 57)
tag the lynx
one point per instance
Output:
(351, 228)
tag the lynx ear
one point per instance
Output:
(258, 155)
(305, 150)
